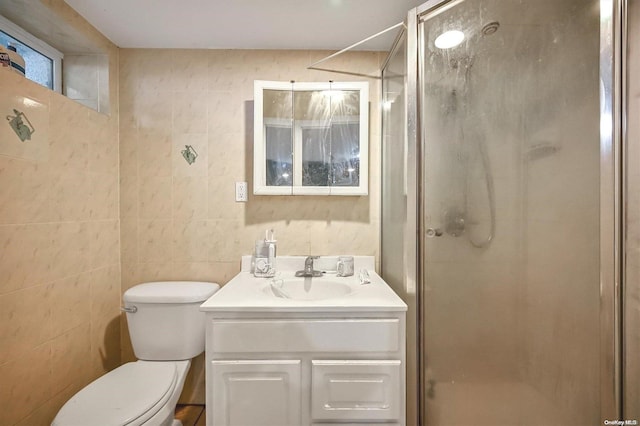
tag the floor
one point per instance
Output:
(191, 415)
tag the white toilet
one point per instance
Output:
(167, 329)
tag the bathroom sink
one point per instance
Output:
(306, 288)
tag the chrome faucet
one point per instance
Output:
(308, 268)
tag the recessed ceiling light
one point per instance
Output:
(449, 39)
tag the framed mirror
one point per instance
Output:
(311, 138)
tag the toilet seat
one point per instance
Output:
(129, 395)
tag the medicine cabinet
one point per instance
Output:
(311, 138)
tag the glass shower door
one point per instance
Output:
(510, 123)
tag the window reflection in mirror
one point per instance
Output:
(278, 127)
(310, 136)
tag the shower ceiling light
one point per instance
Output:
(449, 39)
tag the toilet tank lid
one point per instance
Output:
(171, 292)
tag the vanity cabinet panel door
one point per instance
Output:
(356, 390)
(256, 392)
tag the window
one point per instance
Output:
(43, 62)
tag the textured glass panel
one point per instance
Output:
(511, 182)
(38, 68)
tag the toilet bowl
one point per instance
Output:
(167, 330)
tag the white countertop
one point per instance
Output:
(246, 293)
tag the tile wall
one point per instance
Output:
(60, 256)
(180, 221)
(59, 237)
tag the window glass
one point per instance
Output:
(38, 67)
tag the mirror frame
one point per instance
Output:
(259, 146)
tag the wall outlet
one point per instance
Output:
(242, 191)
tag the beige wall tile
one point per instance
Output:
(129, 241)
(226, 69)
(45, 413)
(189, 112)
(22, 327)
(154, 198)
(128, 151)
(190, 198)
(129, 204)
(192, 240)
(49, 244)
(69, 152)
(153, 70)
(103, 157)
(154, 153)
(103, 196)
(155, 271)
(189, 70)
(221, 195)
(218, 272)
(227, 112)
(69, 303)
(69, 249)
(130, 275)
(104, 243)
(152, 111)
(26, 384)
(70, 365)
(70, 193)
(155, 241)
(25, 190)
(25, 260)
(228, 155)
(105, 319)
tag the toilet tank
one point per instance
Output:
(164, 319)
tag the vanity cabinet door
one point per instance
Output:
(255, 392)
(356, 390)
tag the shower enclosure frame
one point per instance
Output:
(612, 58)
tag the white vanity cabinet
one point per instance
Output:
(305, 368)
(305, 357)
